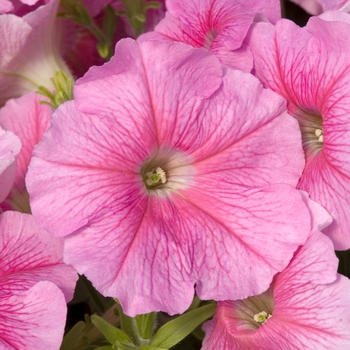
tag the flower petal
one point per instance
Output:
(33, 319)
(30, 255)
(87, 164)
(10, 147)
(28, 119)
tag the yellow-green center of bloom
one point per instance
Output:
(166, 170)
(152, 178)
(261, 317)
(254, 311)
(311, 126)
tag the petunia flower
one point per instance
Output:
(10, 146)
(216, 25)
(30, 51)
(35, 285)
(306, 307)
(165, 173)
(309, 67)
(28, 119)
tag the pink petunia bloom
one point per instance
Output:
(10, 146)
(316, 7)
(216, 25)
(309, 67)
(35, 285)
(165, 173)
(28, 119)
(306, 307)
(30, 51)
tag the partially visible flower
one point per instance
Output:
(165, 172)
(216, 25)
(35, 285)
(10, 146)
(30, 51)
(28, 119)
(306, 307)
(309, 67)
(316, 7)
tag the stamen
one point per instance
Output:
(261, 317)
(155, 177)
(319, 134)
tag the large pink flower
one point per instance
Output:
(28, 119)
(35, 285)
(217, 25)
(162, 173)
(306, 307)
(10, 146)
(30, 51)
(309, 67)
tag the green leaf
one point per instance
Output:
(111, 333)
(146, 347)
(174, 331)
(72, 336)
(107, 347)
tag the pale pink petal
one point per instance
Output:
(320, 217)
(248, 150)
(29, 2)
(29, 255)
(92, 171)
(270, 8)
(342, 5)
(311, 6)
(277, 67)
(28, 119)
(5, 6)
(33, 319)
(330, 188)
(9, 149)
(335, 16)
(156, 99)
